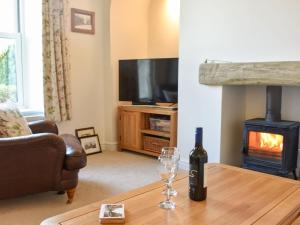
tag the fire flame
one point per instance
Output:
(266, 141)
(271, 141)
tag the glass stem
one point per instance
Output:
(168, 191)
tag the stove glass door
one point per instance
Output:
(266, 145)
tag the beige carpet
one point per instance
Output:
(107, 174)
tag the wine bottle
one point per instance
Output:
(198, 168)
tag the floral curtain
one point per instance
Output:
(57, 96)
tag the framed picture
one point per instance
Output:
(91, 144)
(82, 21)
(83, 132)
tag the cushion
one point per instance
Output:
(12, 123)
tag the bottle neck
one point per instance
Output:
(198, 139)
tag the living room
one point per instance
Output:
(211, 36)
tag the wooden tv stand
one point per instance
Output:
(134, 124)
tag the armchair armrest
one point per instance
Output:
(75, 155)
(30, 164)
(43, 126)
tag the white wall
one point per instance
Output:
(122, 32)
(138, 29)
(163, 23)
(87, 55)
(199, 105)
(128, 39)
(237, 31)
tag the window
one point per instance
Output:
(21, 71)
(10, 52)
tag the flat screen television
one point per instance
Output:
(148, 81)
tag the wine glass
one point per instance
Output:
(168, 167)
(176, 156)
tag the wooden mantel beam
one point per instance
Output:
(260, 73)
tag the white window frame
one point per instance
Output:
(19, 56)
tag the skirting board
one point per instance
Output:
(111, 146)
(258, 73)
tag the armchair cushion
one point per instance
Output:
(12, 123)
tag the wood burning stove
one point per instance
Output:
(270, 145)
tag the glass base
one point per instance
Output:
(167, 205)
(172, 192)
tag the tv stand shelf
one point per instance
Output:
(156, 133)
(134, 124)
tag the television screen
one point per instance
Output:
(148, 80)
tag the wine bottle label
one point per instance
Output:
(193, 176)
(205, 175)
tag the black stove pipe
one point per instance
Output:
(273, 106)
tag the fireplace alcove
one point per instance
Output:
(269, 144)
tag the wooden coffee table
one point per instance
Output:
(235, 196)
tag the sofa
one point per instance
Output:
(41, 162)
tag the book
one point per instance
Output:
(112, 214)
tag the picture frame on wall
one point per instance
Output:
(82, 21)
(83, 132)
(91, 144)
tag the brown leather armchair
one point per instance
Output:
(43, 161)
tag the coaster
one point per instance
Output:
(112, 213)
